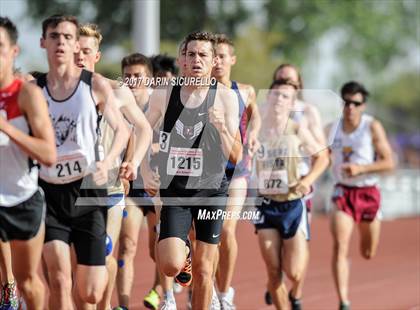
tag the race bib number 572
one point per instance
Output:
(273, 182)
(185, 162)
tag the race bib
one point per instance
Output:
(273, 182)
(4, 139)
(69, 167)
(185, 162)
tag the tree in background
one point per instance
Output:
(177, 17)
(372, 34)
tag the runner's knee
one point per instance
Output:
(128, 247)
(274, 273)
(202, 273)
(60, 282)
(92, 295)
(26, 284)
(172, 268)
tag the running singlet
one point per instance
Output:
(75, 122)
(356, 148)
(297, 115)
(19, 177)
(190, 151)
(243, 123)
(278, 161)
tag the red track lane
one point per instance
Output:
(391, 281)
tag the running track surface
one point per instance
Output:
(390, 281)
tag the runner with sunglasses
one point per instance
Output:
(359, 151)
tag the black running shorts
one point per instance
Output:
(22, 222)
(176, 220)
(82, 226)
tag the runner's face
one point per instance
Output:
(61, 43)
(288, 73)
(351, 111)
(281, 98)
(88, 55)
(199, 59)
(135, 75)
(8, 52)
(224, 61)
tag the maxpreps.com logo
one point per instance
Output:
(204, 214)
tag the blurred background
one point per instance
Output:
(376, 42)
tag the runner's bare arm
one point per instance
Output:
(320, 159)
(107, 103)
(40, 146)
(383, 151)
(314, 123)
(140, 138)
(254, 119)
(157, 105)
(224, 116)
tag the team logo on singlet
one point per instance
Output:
(347, 151)
(188, 132)
(64, 128)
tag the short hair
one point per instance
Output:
(182, 46)
(286, 65)
(281, 82)
(10, 28)
(91, 31)
(354, 87)
(202, 36)
(222, 38)
(137, 59)
(163, 63)
(56, 19)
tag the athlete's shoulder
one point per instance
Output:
(247, 92)
(225, 93)
(29, 88)
(245, 87)
(30, 94)
(375, 124)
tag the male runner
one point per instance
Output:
(359, 151)
(74, 95)
(283, 228)
(136, 69)
(307, 116)
(26, 135)
(89, 54)
(198, 135)
(164, 66)
(238, 174)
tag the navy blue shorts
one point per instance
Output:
(286, 217)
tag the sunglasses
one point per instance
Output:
(356, 103)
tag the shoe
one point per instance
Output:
(177, 288)
(227, 301)
(344, 306)
(120, 308)
(9, 297)
(168, 304)
(184, 278)
(295, 303)
(152, 300)
(215, 302)
(267, 298)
